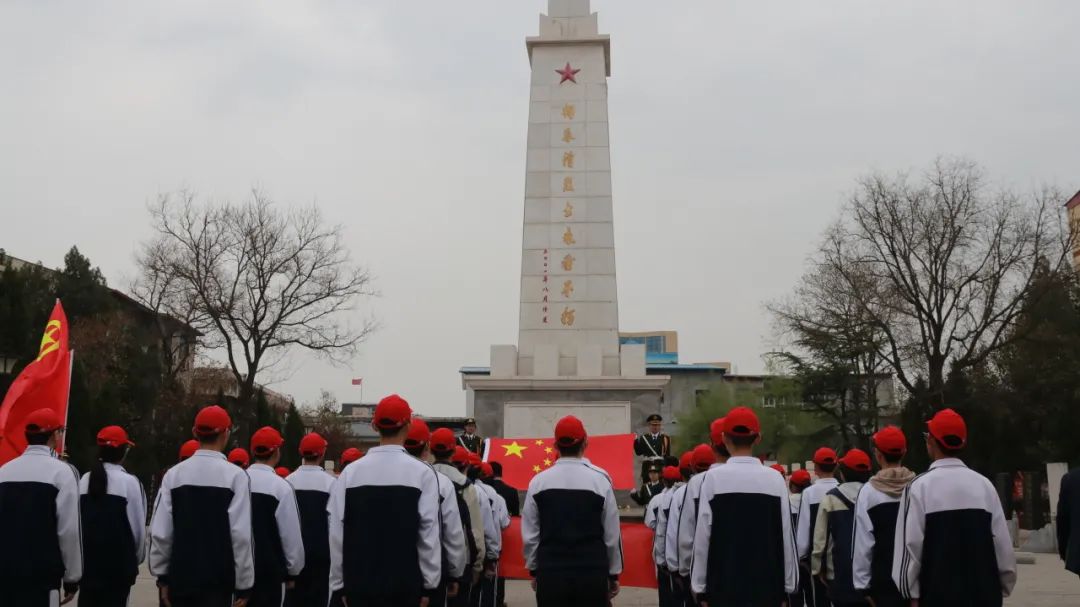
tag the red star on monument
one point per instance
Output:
(568, 73)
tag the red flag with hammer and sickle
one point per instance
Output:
(42, 384)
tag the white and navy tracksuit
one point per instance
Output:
(385, 540)
(671, 533)
(875, 533)
(952, 543)
(455, 546)
(39, 527)
(656, 518)
(688, 514)
(484, 595)
(311, 485)
(114, 537)
(815, 591)
(200, 533)
(571, 534)
(744, 550)
(279, 545)
(472, 523)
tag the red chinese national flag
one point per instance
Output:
(524, 458)
(42, 384)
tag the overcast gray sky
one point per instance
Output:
(738, 128)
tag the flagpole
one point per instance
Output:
(67, 403)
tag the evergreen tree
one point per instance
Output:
(294, 431)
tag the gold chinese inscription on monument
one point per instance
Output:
(567, 135)
(567, 317)
(569, 111)
(568, 211)
(568, 262)
(568, 184)
(567, 288)
(568, 237)
(568, 160)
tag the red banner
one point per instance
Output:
(524, 458)
(42, 384)
(639, 571)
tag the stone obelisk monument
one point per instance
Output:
(568, 358)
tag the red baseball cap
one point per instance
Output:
(686, 460)
(716, 432)
(703, 457)
(392, 413)
(188, 449)
(890, 440)
(419, 433)
(312, 445)
(949, 429)
(825, 456)
(475, 460)
(442, 441)
(239, 456)
(43, 421)
(779, 468)
(800, 478)
(856, 459)
(461, 455)
(486, 470)
(266, 440)
(113, 436)
(569, 431)
(282, 471)
(350, 455)
(671, 473)
(212, 420)
(741, 421)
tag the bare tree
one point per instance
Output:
(833, 353)
(941, 265)
(264, 280)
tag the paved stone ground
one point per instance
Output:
(1044, 584)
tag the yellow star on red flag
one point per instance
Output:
(514, 449)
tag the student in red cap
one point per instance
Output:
(671, 531)
(187, 450)
(469, 463)
(830, 558)
(39, 519)
(706, 457)
(239, 457)
(952, 543)
(311, 483)
(797, 483)
(349, 456)
(744, 552)
(275, 520)
(656, 514)
(385, 544)
(825, 461)
(443, 447)
(875, 520)
(113, 508)
(200, 533)
(570, 527)
(454, 551)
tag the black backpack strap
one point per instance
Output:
(838, 494)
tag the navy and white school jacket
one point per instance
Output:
(656, 518)
(200, 532)
(744, 551)
(311, 485)
(492, 533)
(875, 533)
(455, 548)
(39, 521)
(385, 538)
(952, 544)
(688, 522)
(275, 523)
(114, 530)
(570, 521)
(807, 519)
(671, 532)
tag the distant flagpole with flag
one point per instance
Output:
(359, 381)
(45, 383)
